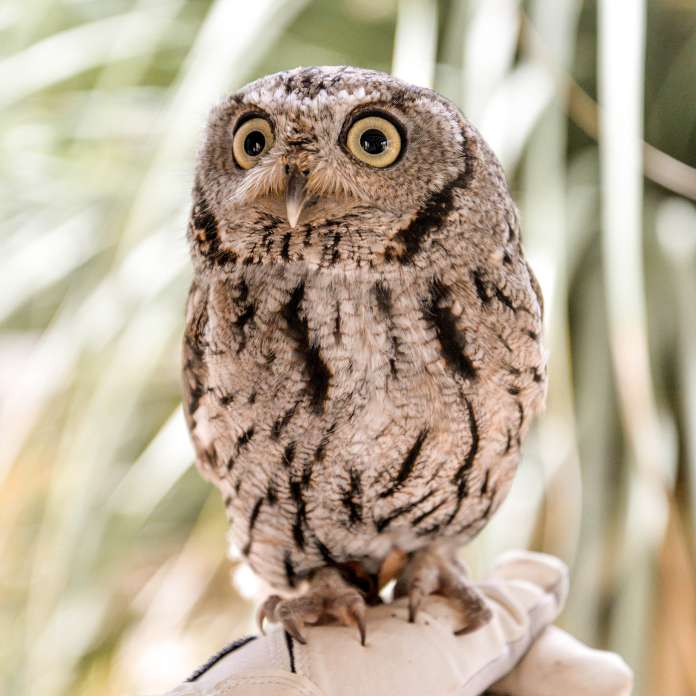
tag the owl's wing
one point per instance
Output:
(195, 371)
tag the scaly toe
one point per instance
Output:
(292, 614)
(432, 572)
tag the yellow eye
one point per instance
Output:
(253, 139)
(374, 140)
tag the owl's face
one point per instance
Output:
(324, 145)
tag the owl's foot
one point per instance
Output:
(431, 571)
(330, 598)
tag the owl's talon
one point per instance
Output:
(267, 610)
(478, 615)
(433, 571)
(260, 616)
(357, 614)
(290, 625)
(278, 610)
(329, 597)
(414, 602)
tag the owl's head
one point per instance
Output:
(299, 155)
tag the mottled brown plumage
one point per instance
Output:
(359, 382)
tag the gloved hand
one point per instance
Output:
(517, 653)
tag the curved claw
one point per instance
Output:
(358, 613)
(353, 614)
(260, 617)
(415, 598)
(275, 609)
(480, 618)
(291, 626)
(267, 611)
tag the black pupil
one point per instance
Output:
(373, 141)
(254, 143)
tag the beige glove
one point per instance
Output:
(526, 592)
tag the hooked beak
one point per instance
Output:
(295, 194)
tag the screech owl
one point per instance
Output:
(363, 337)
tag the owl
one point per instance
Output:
(363, 345)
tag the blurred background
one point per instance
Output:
(113, 575)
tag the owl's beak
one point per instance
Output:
(295, 194)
